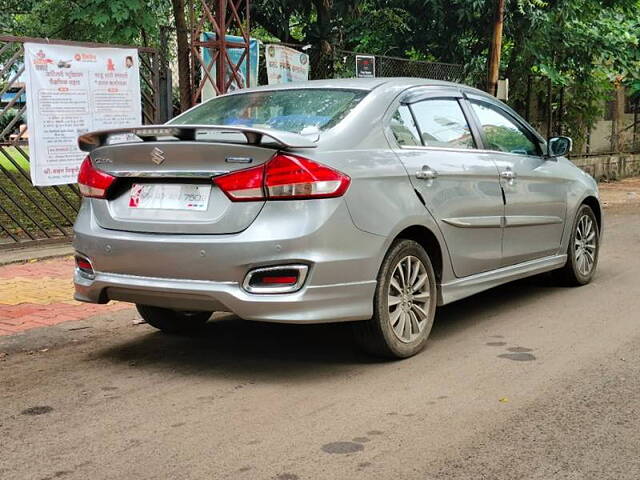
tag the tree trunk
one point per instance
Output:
(617, 120)
(636, 120)
(324, 64)
(495, 49)
(184, 69)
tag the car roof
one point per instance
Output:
(362, 84)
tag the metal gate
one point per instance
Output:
(35, 215)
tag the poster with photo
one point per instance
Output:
(72, 90)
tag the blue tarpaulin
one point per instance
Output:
(234, 55)
(9, 96)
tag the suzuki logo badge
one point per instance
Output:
(157, 156)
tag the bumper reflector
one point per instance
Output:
(84, 266)
(282, 279)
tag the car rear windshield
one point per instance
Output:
(304, 111)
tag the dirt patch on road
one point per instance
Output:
(621, 193)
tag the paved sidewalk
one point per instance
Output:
(38, 294)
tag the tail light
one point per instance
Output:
(288, 176)
(284, 177)
(244, 185)
(92, 182)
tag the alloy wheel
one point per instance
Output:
(585, 245)
(408, 299)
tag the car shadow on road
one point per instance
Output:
(227, 346)
(230, 347)
(472, 311)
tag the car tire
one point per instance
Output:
(172, 321)
(583, 250)
(400, 329)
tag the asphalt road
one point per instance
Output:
(526, 381)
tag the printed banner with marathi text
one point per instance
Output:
(72, 90)
(286, 65)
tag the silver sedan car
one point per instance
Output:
(370, 201)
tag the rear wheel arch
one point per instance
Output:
(427, 239)
(400, 329)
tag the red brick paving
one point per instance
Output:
(39, 294)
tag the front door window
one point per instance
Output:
(503, 134)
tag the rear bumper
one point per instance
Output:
(205, 272)
(312, 304)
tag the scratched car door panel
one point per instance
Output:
(535, 193)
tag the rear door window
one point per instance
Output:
(441, 123)
(404, 127)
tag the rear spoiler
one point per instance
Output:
(150, 133)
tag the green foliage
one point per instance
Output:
(377, 29)
(634, 88)
(583, 45)
(130, 22)
(577, 44)
(283, 20)
(584, 39)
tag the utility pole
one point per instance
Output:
(495, 49)
(182, 40)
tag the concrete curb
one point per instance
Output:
(23, 255)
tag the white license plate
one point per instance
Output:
(169, 196)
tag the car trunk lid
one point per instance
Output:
(165, 176)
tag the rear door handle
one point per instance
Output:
(427, 173)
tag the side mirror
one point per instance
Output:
(559, 147)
